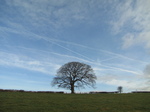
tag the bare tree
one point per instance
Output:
(120, 89)
(74, 75)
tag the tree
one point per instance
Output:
(74, 75)
(120, 89)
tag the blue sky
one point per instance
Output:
(38, 37)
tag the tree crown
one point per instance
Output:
(74, 74)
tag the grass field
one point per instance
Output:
(46, 102)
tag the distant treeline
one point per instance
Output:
(97, 92)
(12, 90)
(140, 91)
(62, 92)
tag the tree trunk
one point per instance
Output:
(72, 88)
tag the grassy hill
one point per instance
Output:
(50, 102)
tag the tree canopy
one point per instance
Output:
(74, 75)
(120, 89)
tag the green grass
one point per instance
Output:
(46, 102)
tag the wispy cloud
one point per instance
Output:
(133, 19)
(128, 82)
(130, 85)
(13, 60)
(146, 73)
(55, 53)
(93, 62)
(19, 61)
(57, 41)
(56, 13)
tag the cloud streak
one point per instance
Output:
(8, 59)
(40, 64)
(55, 41)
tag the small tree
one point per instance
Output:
(120, 89)
(74, 74)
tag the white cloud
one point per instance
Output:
(13, 60)
(129, 82)
(128, 40)
(131, 39)
(129, 85)
(55, 13)
(133, 18)
(144, 38)
(147, 72)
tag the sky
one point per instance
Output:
(37, 37)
